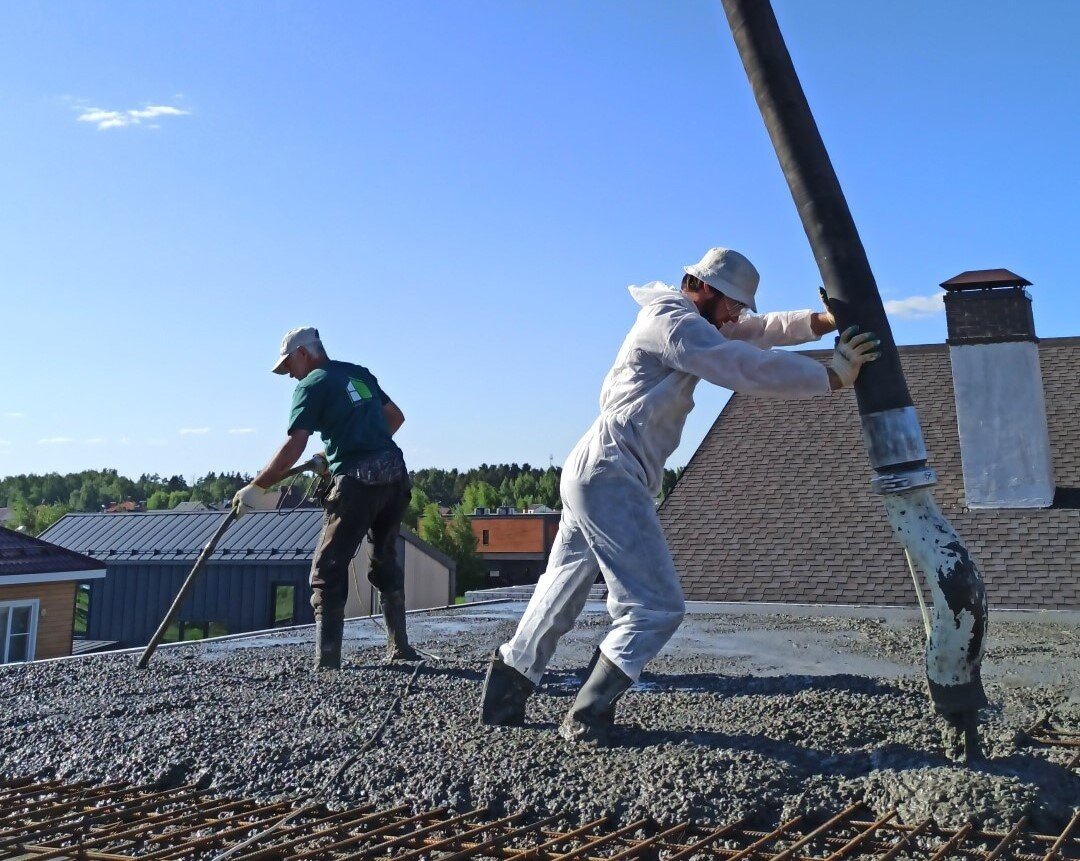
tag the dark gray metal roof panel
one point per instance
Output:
(180, 535)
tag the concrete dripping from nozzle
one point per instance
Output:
(955, 647)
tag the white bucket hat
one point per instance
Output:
(729, 272)
(294, 339)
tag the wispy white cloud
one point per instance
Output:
(95, 440)
(193, 431)
(15, 415)
(241, 430)
(106, 119)
(55, 440)
(158, 111)
(916, 307)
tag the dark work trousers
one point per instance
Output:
(351, 511)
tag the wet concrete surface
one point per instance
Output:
(747, 712)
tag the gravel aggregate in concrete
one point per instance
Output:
(757, 715)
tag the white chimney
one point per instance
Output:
(1000, 405)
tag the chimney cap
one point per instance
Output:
(984, 279)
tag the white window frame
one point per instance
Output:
(5, 636)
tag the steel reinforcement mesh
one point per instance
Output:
(43, 819)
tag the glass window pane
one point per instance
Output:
(82, 609)
(20, 620)
(284, 605)
(18, 648)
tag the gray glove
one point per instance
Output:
(852, 352)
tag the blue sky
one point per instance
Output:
(458, 193)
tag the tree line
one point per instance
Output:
(38, 501)
(439, 509)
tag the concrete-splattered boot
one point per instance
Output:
(960, 736)
(328, 631)
(502, 702)
(397, 640)
(593, 713)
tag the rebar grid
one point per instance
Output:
(50, 819)
(1043, 733)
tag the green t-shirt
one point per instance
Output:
(344, 404)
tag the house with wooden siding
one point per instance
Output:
(38, 584)
(514, 545)
(256, 579)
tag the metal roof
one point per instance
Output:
(175, 536)
(23, 554)
(983, 279)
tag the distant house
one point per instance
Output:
(776, 506)
(125, 507)
(38, 583)
(515, 545)
(190, 505)
(256, 579)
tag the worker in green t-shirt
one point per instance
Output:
(369, 489)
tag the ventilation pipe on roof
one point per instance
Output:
(891, 429)
(1000, 405)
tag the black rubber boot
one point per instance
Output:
(502, 702)
(609, 715)
(397, 640)
(593, 713)
(328, 631)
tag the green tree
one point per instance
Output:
(479, 494)
(432, 528)
(548, 487)
(157, 501)
(526, 490)
(178, 496)
(454, 538)
(35, 519)
(471, 571)
(418, 503)
(670, 477)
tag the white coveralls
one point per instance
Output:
(611, 478)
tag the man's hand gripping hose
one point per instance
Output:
(852, 352)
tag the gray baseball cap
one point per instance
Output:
(305, 336)
(729, 272)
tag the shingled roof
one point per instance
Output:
(24, 559)
(775, 505)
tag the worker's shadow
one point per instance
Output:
(749, 685)
(1054, 782)
(1025, 764)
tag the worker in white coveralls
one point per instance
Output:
(703, 331)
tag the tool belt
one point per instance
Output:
(386, 467)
